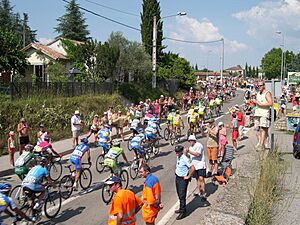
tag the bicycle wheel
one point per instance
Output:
(66, 186)
(182, 125)
(133, 171)
(156, 148)
(18, 196)
(106, 194)
(52, 204)
(172, 138)
(85, 178)
(166, 134)
(100, 163)
(124, 178)
(55, 170)
(129, 143)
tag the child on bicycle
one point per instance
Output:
(76, 158)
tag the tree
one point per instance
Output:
(72, 25)
(11, 58)
(29, 35)
(151, 8)
(56, 72)
(6, 15)
(271, 63)
(196, 67)
(246, 70)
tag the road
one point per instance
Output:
(88, 207)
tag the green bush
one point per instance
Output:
(139, 92)
(55, 113)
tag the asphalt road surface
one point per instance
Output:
(88, 207)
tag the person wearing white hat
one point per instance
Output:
(75, 127)
(196, 153)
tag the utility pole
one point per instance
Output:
(154, 53)
(24, 31)
(222, 61)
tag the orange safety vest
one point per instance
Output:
(125, 202)
(150, 196)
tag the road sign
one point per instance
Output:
(278, 91)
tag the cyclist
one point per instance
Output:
(152, 130)
(111, 158)
(190, 112)
(193, 121)
(33, 181)
(104, 137)
(136, 145)
(6, 202)
(25, 162)
(170, 119)
(147, 117)
(45, 148)
(218, 103)
(201, 113)
(177, 120)
(76, 157)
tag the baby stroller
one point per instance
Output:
(225, 167)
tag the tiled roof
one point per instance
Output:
(46, 50)
(238, 67)
(210, 73)
(61, 38)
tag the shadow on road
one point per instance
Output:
(64, 216)
(210, 188)
(165, 153)
(156, 168)
(136, 189)
(194, 204)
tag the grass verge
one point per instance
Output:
(268, 190)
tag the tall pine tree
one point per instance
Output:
(72, 25)
(6, 15)
(151, 8)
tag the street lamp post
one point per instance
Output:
(282, 57)
(222, 61)
(155, 24)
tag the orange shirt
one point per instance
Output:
(151, 196)
(125, 202)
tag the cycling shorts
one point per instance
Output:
(110, 163)
(35, 187)
(139, 150)
(151, 136)
(104, 145)
(176, 125)
(201, 115)
(76, 162)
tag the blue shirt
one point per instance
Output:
(79, 151)
(35, 175)
(104, 135)
(152, 128)
(182, 166)
(136, 141)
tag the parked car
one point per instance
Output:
(296, 141)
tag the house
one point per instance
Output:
(40, 55)
(205, 76)
(236, 70)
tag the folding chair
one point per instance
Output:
(225, 167)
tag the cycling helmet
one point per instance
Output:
(177, 111)
(29, 147)
(84, 140)
(140, 130)
(107, 125)
(196, 110)
(43, 159)
(6, 187)
(173, 110)
(116, 142)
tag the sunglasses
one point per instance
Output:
(261, 85)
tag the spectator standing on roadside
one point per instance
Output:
(263, 102)
(11, 147)
(222, 140)
(184, 171)
(283, 105)
(94, 128)
(212, 147)
(41, 134)
(110, 115)
(104, 119)
(23, 130)
(75, 127)
(294, 102)
(122, 122)
(234, 125)
(196, 153)
(156, 107)
(151, 195)
(241, 121)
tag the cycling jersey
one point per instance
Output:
(176, 119)
(211, 103)
(136, 143)
(104, 135)
(34, 178)
(170, 117)
(190, 112)
(112, 156)
(151, 128)
(77, 155)
(201, 110)
(193, 117)
(22, 163)
(42, 147)
(5, 202)
(218, 101)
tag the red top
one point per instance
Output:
(241, 119)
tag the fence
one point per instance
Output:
(66, 89)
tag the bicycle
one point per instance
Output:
(18, 196)
(66, 183)
(52, 203)
(167, 132)
(134, 132)
(134, 168)
(100, 160)
(107, 195)
(54, 167)
(174, 137)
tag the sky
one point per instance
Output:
(249, 27)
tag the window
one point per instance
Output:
(40, 73)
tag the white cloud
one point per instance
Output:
(265, 18)
(45, 41)
(204, 31)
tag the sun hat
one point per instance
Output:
(76, 112)
(192, 138)
(220, 124)
(113, 179)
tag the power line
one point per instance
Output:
(104, 17)
(193, 42)
(113, 9)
